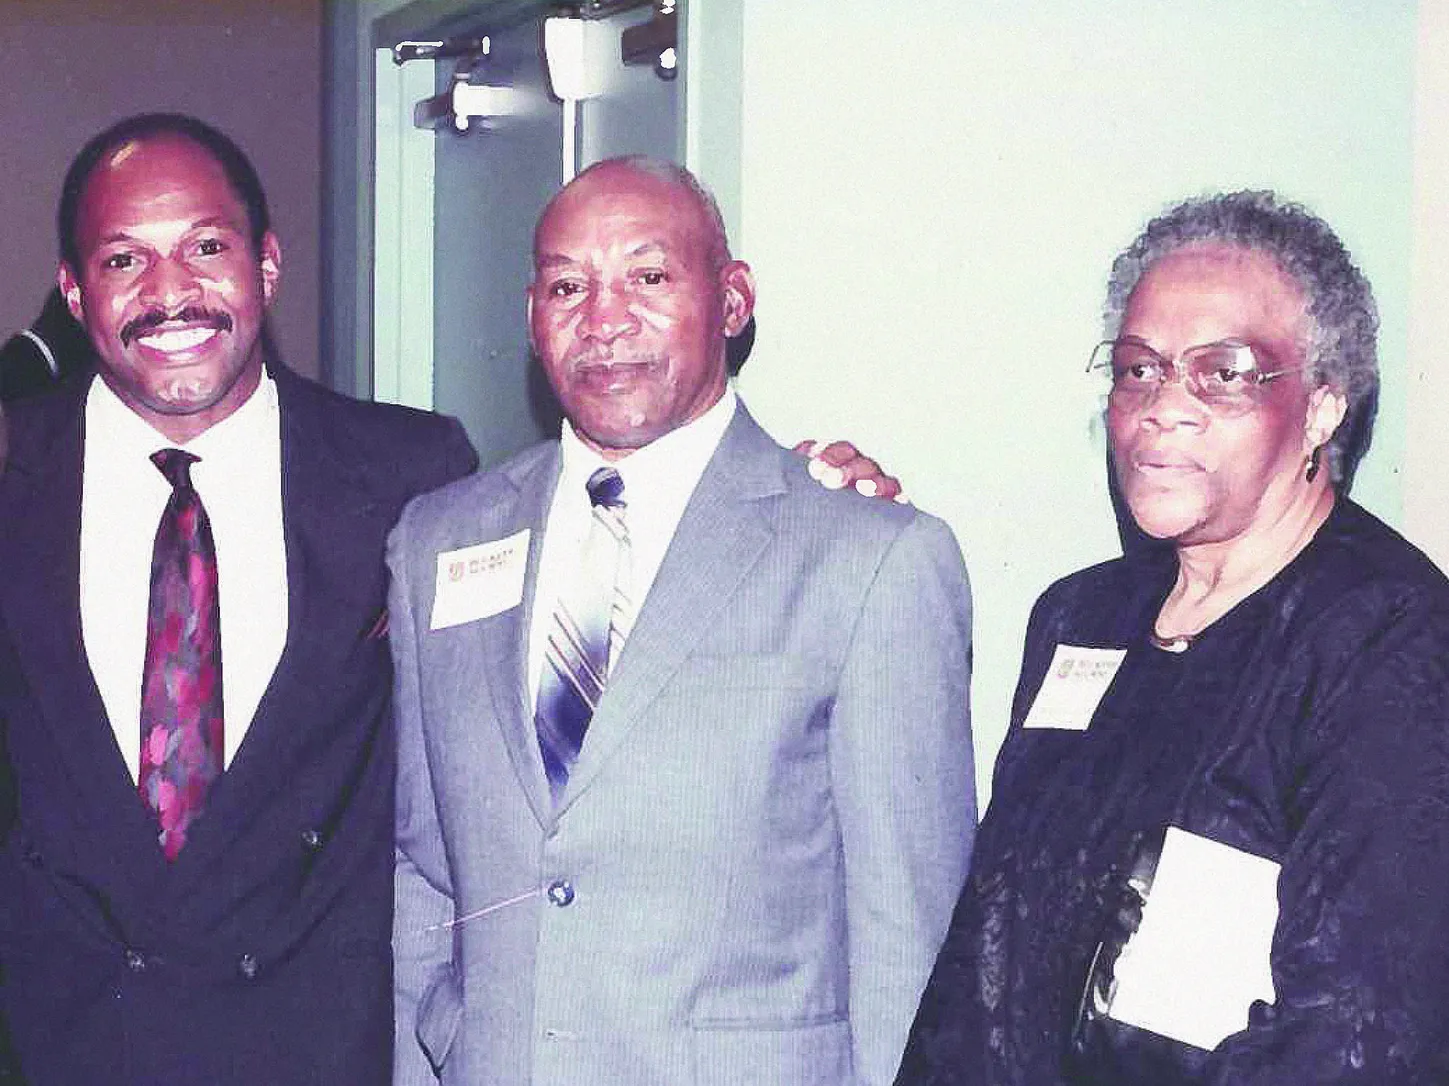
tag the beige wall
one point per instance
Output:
(252, 67)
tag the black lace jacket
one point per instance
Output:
(1309, 725)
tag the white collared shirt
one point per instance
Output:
(239, 479)
(658, 481)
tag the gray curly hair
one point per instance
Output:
(1343, 346)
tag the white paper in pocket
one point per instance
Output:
(1200, 957)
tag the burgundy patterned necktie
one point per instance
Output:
(181, 709)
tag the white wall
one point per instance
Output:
(931, 195)
(1426, 378)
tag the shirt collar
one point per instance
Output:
(668, 464)
(109, 420)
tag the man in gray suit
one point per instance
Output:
(722, 844)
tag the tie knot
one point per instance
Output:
(175, 464)
(606, 488)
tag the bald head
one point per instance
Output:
(675, 187)
(633, 295)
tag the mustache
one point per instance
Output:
(604, 356)
(157, 318)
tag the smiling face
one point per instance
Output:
(1188, 473)
(631, 301)
(169, 285)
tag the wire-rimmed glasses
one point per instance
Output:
(1224, 376)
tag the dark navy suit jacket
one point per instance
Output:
(261, 955)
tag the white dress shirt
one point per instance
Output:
(239, 479)
(658, 481)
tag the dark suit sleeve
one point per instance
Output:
(23, 371)
(459, 457)
(9, 1065)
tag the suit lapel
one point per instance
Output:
(724, 530)
(41, 587)
(330, 535)
(505, 640)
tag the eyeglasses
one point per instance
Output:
(1225, 376)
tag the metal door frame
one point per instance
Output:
(711, 48)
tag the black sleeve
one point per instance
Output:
(1361, 952)
(23, 370)
(461, 459)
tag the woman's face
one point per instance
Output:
(1194, 474)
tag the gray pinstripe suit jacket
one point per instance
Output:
(768, 824)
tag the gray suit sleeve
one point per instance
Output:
(901, 765)
(422, 947)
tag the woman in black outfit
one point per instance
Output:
(1275, 680)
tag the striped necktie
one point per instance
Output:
(586, 633)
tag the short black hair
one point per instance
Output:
(238, 169)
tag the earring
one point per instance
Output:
(1313, 459)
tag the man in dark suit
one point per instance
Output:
(197, 887)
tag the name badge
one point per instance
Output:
(1074, 686)
(479, 581)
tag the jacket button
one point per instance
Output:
(561, 892)
(311, 840)
(135, 960)
(246, 965)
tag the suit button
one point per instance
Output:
(561, 892)
(246, 965)
(135, 960)
(311, 840)
(31, 855)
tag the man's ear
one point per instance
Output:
(528, 316)
(70, 290)
(737, 286)
(271, 265)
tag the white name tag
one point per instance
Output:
(1200, 957)
(479, 581)
(1073, 688)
